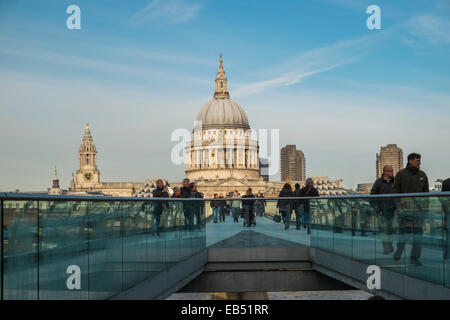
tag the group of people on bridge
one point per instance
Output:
(408, 211)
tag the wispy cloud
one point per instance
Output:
(167, 12)
(432, 28)
(310, 63)
(287, 79)
(81, 63)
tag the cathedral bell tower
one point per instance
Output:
(87, 175)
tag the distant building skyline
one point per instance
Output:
(310, 69)
(264, 168)
(221, 157)
(292, 163)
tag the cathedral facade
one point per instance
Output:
(220, 158)
(223, 157)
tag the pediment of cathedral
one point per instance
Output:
(233, 182)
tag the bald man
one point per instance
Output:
(385, 207)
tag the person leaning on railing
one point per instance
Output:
(187, 205)
(411, 210)
(159, 192)
(177, 206)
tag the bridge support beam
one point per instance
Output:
(168, 281)
(394, 285)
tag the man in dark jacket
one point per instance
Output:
(197, 207)
(222, 207)
(184, 190)
(247, 208)
(411, 210)
(159, 192)
(187, 207)
(446, 185)
(385, 207)
(308, 191)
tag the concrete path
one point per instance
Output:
(216, 232)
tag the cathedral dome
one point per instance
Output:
(223, 113)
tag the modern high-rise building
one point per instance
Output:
(292, 163)
(264, 168)
(389, 155)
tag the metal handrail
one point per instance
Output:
(30, 196)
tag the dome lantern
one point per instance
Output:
(221, 83)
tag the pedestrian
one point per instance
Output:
(446, 185)
(176, 193)
(385, 207)
(222, 207)
(236, 206)
(286, 206)
(215, 208)
(177, 205)
(411, 210)
(308, 191)
(187, 205)
(159, 192)
(247, 207)
(228, 203)
(261, 205)
(197, 205)
(298, 207)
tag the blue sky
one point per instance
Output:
(137, 70)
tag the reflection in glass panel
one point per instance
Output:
(324, 219)
(388, 236)
(423, 225)
(20, 247)
(63, 249)
(135, 227)
(105, 248)
(364, 235)
(343, 227)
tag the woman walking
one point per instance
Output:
(286, 206)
